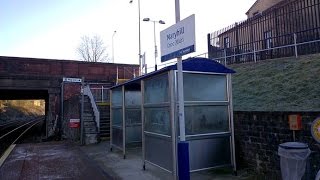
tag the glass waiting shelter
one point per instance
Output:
(208, 115)
(125, 113)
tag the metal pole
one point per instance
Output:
(180, 85)
(254, 53)
(142, 127)
(111, 119)
(295, 44)
(113, 46)
(123, 123)
(172, 80)
(139, 39)
(229, 81)
(82, 111)
(183, 146)
(102, 94)
(155, 46)
(61, 113)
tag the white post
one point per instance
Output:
(180, 85)
(229, 81)
(114, 33)
(102, 94)
(183, 146)
(295, 44)
(254, 52)
(117, 75)
(139, 39)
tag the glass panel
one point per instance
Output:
(133, 116)
(206, 119)
(204, 87)
(133, 98)
(157, 120)
(96, 94)
(156, 89)
(117, 97)
(117, 117)
(105, 92)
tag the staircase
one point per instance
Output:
(91, 133)
(104, 109)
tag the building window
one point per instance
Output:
(226, 42)
(268, 39)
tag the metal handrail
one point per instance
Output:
(254, 52)
(102, 98)
(87, 91)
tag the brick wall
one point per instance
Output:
(258, 134)
(91, 71)
(72, 108)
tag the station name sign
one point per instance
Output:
(74, 80)
(178, 39)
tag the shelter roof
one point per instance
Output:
(195, 64)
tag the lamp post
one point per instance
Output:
(155, 42)
(139, 36)
(114, 33)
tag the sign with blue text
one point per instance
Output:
(178, 39)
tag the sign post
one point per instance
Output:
(176, 41)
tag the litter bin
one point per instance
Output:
(293, 159)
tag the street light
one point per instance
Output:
(114, 33)
(155, 42)
(139, 37)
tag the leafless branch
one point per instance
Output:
(92, 49)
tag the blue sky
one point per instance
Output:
(53, 28)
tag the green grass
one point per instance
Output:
(285, 84)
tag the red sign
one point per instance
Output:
(74, 123)
(295, 122)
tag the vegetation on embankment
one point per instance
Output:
(19, 109)
(285, 84)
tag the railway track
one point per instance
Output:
(14, 132)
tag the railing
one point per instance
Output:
(294, 47)
(87, 91)
(290, 28)
(100, 94)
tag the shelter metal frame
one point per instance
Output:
(118, 132)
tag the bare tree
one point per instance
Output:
(92, 49)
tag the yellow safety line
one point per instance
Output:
(103, 103)
(6, 154)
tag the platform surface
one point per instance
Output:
(68, 161)
(131, 168)
(50, 160)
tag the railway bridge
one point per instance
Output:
(34, 78)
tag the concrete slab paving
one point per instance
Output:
(50, 160)
(65, 160)
(131, 167)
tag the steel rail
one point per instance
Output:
(30, 123)
(9, 122)
(19, 128)
(25, 131)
